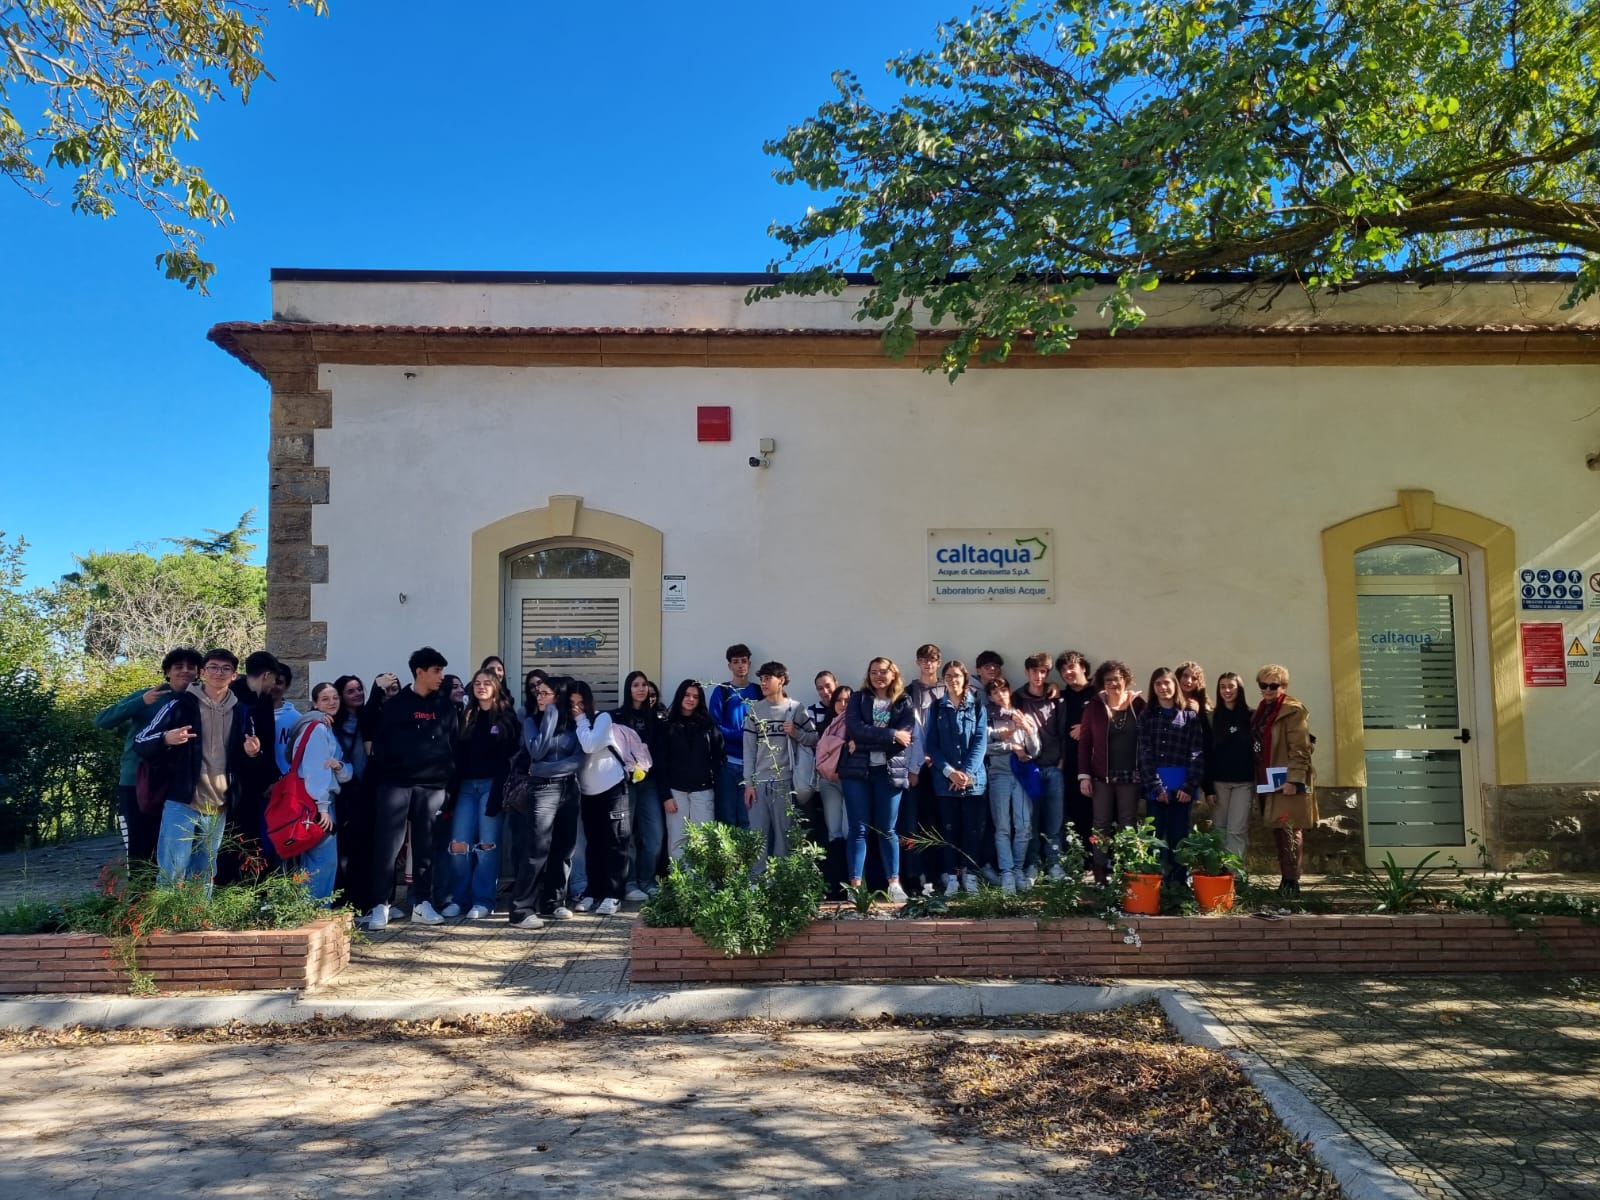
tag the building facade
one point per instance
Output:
(1392, 493)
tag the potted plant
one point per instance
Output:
(1136, 856)
(1211, 868)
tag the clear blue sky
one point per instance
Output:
(515, 136)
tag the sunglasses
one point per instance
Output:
(1270, 687)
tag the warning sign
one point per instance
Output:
(1543, 664)
(1577, 649)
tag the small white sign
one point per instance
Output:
(674, 593)
(977, 566)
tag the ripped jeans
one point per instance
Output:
(477, 861)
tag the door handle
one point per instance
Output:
(1463, 737)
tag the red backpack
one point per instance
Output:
(291, 817)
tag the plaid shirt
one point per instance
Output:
(1170, 737)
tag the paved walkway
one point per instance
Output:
(56, 873)
(1474, 1087)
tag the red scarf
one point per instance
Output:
(1261, 733)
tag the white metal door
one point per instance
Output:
(569, 627)
(1417, 713)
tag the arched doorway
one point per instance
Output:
(1414, 615)
(530, 570)
(568, 610)
(1423, 660)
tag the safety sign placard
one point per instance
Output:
(1546, 589)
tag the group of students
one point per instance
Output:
(957, 777)
(430, 773)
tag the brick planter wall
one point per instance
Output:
(1172, 946)
(254, 960)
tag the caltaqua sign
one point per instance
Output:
(986, 566)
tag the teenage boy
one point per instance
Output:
(727, 704)
(924, 690)
(1074, 668)
(201, 743)
(140, 830)
(1039, 699)
(253, 689)
(414, 749)
(774, 725)
(990, 667)
(284, 717)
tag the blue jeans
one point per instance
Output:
(874, 797)
(1051, 811)
(649, 831)
(1013, 820)
(476, 874)
(187, 844)
(321, 863)
(730, 796)
(578, 876)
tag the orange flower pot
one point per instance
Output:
(1213, 892)
(1141, 894)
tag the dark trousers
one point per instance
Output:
(1116, 806)
(962, 820)
(1290, 843)
(607, 826)
(143, 828)
(1079, 811)
(918, 807)
(354, 821)
(545, 837)
(1173, 822)
(395, 807)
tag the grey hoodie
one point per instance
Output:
(768, 757)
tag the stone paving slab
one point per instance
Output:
(1475, 1087)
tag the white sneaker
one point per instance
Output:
(607, 907)
(477, 912)
(585, 904)
(451, 910)
(424, 914)
(989, 873)
(897, 894)
(378, 918)
(1057, 874)
(969, 881)
(952, 885)
(396, 913)
(637, 895)
(1008, 882)
(561, 913)
(531, 921)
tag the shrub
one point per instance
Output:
(710, 890)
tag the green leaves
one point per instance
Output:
(111, 91)
(1060, 142)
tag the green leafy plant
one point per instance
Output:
(1136, 850)
(989, 903)
(928, 903)
(31, 916)
(710, 890)
(861, 898)
(1392, 888)
(1205, 852)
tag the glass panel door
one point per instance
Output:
(1415, 704)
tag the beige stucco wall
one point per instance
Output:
(1188, 504)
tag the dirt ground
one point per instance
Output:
(698, 1115)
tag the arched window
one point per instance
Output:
(568, 562)
(1398, 559)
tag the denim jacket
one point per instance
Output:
(554, 752)
(958, 737)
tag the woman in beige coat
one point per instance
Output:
(1282, 734)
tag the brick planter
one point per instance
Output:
(253, 960)
(1172, 946)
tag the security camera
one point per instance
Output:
(757, 462)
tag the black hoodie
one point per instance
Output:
(414, 744)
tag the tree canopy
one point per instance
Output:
(109, 91)
(1302, 143)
